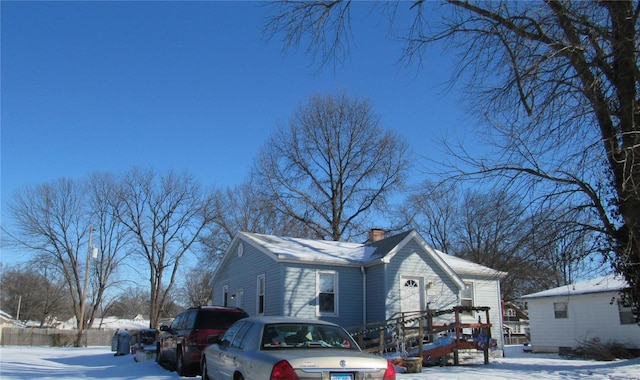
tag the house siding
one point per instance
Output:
(486, 293)
(411, 260)
(589, 316)
(376, 306)
(300, 297)
(242, 273)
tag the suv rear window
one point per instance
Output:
(217, 319)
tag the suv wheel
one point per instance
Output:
(158, 354)
(180, 367)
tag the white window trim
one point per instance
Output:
(473, 296)
(260, 279)
(335, 293)
(566, 310)
(625, 313)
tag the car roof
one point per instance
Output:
(214, 307)
(275, 319)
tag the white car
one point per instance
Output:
(277, 348)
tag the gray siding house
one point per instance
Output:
(350, 283)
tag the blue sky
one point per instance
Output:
(106, 86)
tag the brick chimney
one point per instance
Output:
(376, 234)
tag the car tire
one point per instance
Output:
(204, 370)
(181, 368)
(239, 377)
(158, 360)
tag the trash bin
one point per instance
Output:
(124, 341)
(114, 341)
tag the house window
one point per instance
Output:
(626, 314)
(327, 283)
(260, 291)
(560, 310)
(225, 295)
(466, 298)
(510, 313)
(516, 328)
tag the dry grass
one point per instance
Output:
(596, 350)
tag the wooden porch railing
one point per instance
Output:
(409, 330)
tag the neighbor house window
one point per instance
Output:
(626, 314)
(260, 292)
(327, 283)
(466, 299)
(516, 328)
(510, 313)
(560, 309)
(225, 295)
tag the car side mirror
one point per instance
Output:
(164, 328)
(223, 343)
(213, 339)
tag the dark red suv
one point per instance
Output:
(181, 344)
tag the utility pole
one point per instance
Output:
(19, 304)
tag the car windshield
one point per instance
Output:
(296, 335)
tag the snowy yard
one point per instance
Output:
(100, 363)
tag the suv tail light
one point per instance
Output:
(390, 373)
(282, 370)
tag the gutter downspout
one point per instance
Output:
(499, 331)
(364, 295)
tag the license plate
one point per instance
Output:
(341, 376)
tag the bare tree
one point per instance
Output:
(557, 82)
(196, 289)
(32, 293)
(331, 165)
(112, 239)
(133, 300)
(52, 222)
(494, 229)
(434, 210)
(242, 209)
(167, 215)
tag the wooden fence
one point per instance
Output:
(31, 336)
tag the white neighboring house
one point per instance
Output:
(6, 319)
(562, 318)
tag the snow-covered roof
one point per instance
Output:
(609, 283)
(307, 250)
(5, 316)
(342, 253)
(466, 267)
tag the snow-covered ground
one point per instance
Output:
(100, 363)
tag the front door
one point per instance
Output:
(411, 293)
